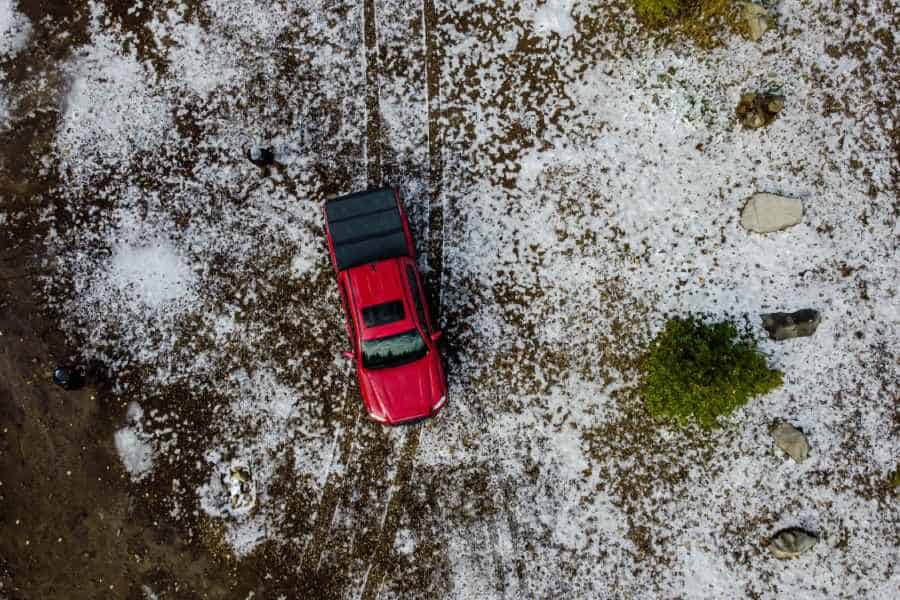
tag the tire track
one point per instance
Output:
(338, 485)
(364, 454)
(374, 148)
(332, 492)
(381, 558)
(433, 62)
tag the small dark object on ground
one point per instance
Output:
(68, 378)
(784, 326)
(261, 157)
(758, 109)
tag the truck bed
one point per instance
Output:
(365, 227)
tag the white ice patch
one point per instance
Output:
(135, 446)
(4, 113)
(227, 497)
(154, 274)
(554, 16)
(111, 112)
(705, 575)
(195, 55)
(305, 261)
(230, 490)
(149, 594)
(14, 29)
(260, 21)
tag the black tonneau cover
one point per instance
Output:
(365, 227)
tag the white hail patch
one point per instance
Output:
(134, 445)
(14, 29)
(554, 16)
(111, 111)
(152, 273)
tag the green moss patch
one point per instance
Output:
(659, 13)
(702, 371)
(702, 21)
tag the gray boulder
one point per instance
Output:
(765, 213)
(792, 542)
(784, 326)
(791, 440)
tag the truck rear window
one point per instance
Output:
(382, 314)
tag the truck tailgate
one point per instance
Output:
(365, 227)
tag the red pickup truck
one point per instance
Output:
(393, 339)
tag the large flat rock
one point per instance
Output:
(765, 213)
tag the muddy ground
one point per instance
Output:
(70, 526)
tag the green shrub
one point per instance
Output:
(658, 12)
(702, 21)
(703, 371)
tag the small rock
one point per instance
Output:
(894, 479)
(758, 109)
(241, 491)
(791, 440)
(792, 542)
(68, 378)
(757, 20)
(765, 213)
(261, 157)
(784, 326)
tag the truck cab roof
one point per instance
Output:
(377, 288)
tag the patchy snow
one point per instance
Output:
(265, 428)
(405, 542)
(554, 16)
(135, 445)
(4, 113)
(154, 273)
(307, 260)
(222, 497)
(590, 187)
(112, 112)
(149, 594)
(15, 29)
(201, 70)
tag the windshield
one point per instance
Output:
(393, 350)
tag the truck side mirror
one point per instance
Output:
(347, 354)
(435, 336)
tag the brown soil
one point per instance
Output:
(71, 524)
(70, 527)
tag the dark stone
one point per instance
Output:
(261, 157)
(784, 326)
(68, 378)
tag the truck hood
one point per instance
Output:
(405, 392)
